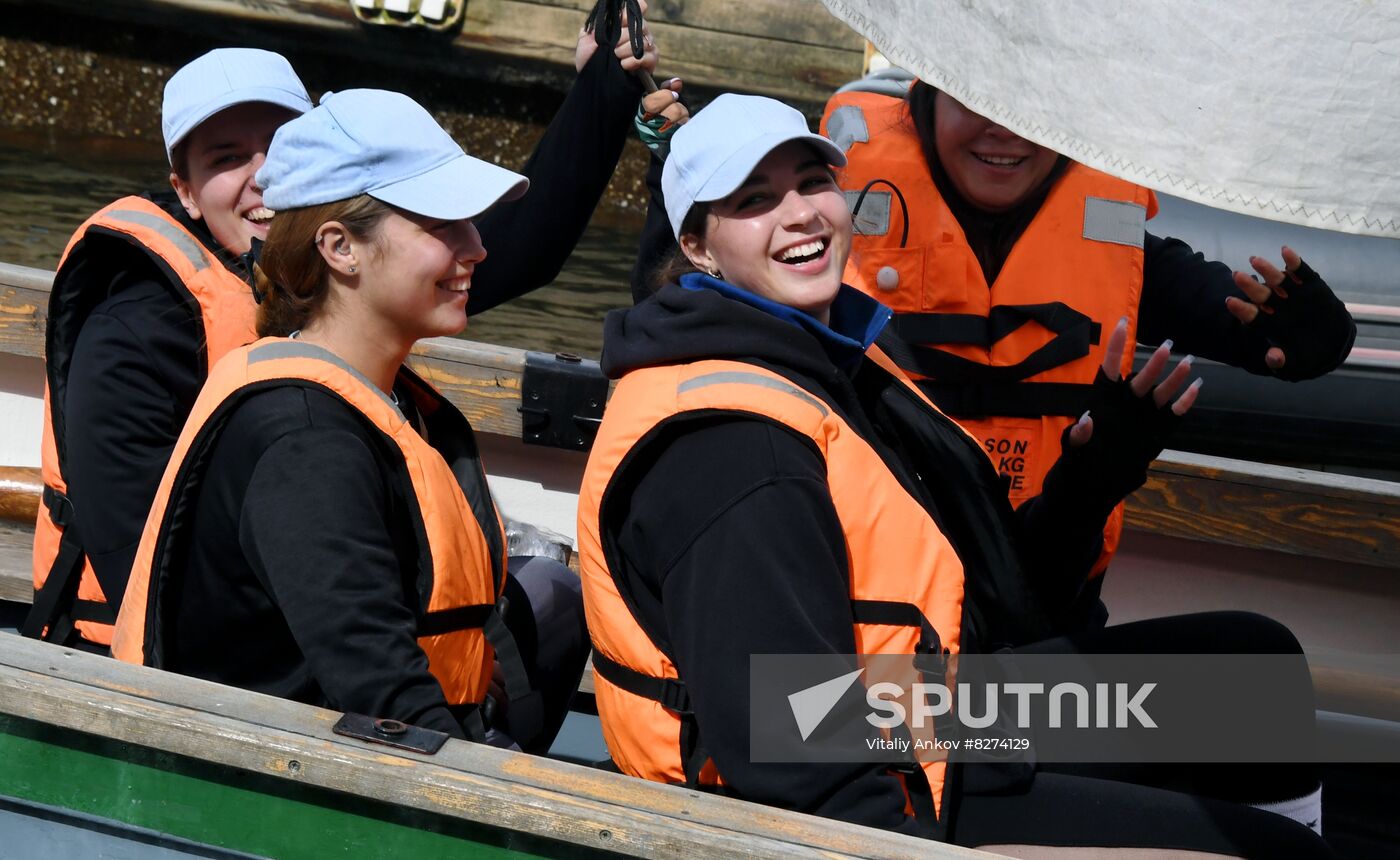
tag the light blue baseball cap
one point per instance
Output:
(222, 78)
(383, 144)
(713, 153)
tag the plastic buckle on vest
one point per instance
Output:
(932, 665)
(60, 508)
(674, 697)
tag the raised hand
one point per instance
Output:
(1142, 382)
(587, 45)
(1307, 327)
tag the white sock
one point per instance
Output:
(1306, 810)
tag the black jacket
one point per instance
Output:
(138, 362)
(730, 544)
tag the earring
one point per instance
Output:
(714, 273)
(352, 270)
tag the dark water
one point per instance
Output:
(49, 186)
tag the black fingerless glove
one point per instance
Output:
(1309, 323)
(1089, 480)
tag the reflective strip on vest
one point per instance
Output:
(278, 350)
(745, 378)
(181, 239)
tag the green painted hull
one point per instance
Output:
(220, 806)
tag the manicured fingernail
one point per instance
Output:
(1198, 383)
(1168, 343)
(1186, 362)
(1083, 418)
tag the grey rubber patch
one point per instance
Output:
(1114, 221)
(873, 219)
(847, 127)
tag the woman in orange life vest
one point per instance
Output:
(153, 290)
(323, 495)
(1004, 262)
(767, 481)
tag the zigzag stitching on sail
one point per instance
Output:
(1094, 155)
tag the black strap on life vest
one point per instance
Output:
(670, 693)
(56, 603)
(967, 388)
(1011, 399)
(931, 660)
(526, 704)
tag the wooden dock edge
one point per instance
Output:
(473, 782)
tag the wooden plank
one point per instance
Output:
(807, 73)
(16, 552)
(20, 488)
(797, 21)
(24, 306)
(513, 791)
(1258, 506)
(762, 49)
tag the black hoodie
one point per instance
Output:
(731, 546)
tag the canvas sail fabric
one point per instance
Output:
(1280, 109)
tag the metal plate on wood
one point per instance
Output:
(392, 733)
(561, 400)
(430, 14)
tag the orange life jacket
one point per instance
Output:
(1012, 361)
(461, 534)
(897, 556)
(224, 306)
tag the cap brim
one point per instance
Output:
(734, 171)
(271, 95)
(463, 187)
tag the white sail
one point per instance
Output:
(1281, 109)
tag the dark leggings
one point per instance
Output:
(1181, 805)
(545, 615)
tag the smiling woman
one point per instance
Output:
(767, 481)
(212, 172)
(341, 508)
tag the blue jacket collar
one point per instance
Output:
(856, 319)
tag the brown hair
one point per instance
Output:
(677, 263)
(292, 277)
(180, 158)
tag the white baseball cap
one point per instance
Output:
(713, 153)
(383, 144)
(221, 79)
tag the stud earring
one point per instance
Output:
(352, 270)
